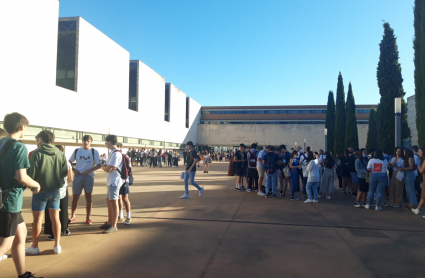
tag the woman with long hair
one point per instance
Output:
(378, 180)
(396, 187)
(361, 169)
(313, 178)
(206, 161)
(294, 166)
(421, 170)
(327, 185)
(409, 174)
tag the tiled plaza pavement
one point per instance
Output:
(230, 234)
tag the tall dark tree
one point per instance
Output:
(390, 87)
(419, 47)
(351, 132)
(372, 133)
(340, 117)
(330, 121)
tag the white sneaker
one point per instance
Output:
(316, 201)
(185, 196)
(328, 197)
(415, 211)
(308, 201)
(32, 251)
(201, 191)
(367, 206)
(261, 193)
(378, 208)
(4, 257)
(57, 250)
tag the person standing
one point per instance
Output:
(327, 186)
(396, 187)
(87, 161)
(417, 160)
(123, 199)
(113, 183)
(421, 170)
(239, 163)
(14, 163)
(170, 158)
(49, 168)
(206, 161)
(313, 178)
(192, 159)
(184, 157)
(160, 158)
(345, 172)
(286, 156)
(261, 170)
(353, 173)
(252, 167)
(63, 205)
(271, 163)
(409, 174)
(294, 166)
(378, 179)
(361, 168)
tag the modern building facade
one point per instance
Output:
(65, 75)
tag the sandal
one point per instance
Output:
(70, 220)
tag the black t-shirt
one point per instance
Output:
(190, 159)
(275, 157)
(241, 156)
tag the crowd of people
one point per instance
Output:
(370, 176)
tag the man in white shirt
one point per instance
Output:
(113, 183)
(87, 161)
(124, 192)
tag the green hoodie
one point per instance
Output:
(48, 167)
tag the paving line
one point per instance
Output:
(270, 223)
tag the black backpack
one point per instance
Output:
(3, 150)
(270, 165)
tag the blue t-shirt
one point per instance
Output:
(261, 156)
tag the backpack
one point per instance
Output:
(75, 155)
(270, 165)
(3, 150)
(126, 169)
(252, 162)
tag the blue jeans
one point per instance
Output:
(295, 181)
(410, 187)
(304, 186)
(271, 181)
(312, 189)
(377, 183)
(160, 161)
(50, 199)
(190, 176)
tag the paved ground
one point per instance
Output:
(231, 234)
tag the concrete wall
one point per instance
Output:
(411, 119)
(233, 135)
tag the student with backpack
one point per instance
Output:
(124, 192)
(252, 167)
(87, 161)
(114, 166)
(271, 162)
(13, 179)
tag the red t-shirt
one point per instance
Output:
(29, 155)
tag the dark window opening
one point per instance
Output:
(187, 112)
(66, 63)
(167, 103)
(133, 89)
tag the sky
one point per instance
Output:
(245, 52)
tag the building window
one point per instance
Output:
(167, 103)
(187, 112)
(133, 89)
(67, 54)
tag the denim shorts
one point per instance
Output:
(82, 181)
(46, 199)
(354, 177)
(113, 192)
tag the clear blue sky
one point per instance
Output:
(245, 52)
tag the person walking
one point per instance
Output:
(378, 179)
(206, 161)
(190, 172)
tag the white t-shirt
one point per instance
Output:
(114, 177)
(378, 166)
(84, 159)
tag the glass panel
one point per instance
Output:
(167, 103)
(146, 142)
(65, 134)
(96, 137)
(132, 140)
(32, 131)
(66, 55)
(120, 139)
(157, 143)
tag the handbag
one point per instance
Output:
(287, 172)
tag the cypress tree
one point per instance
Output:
(390, 86)
(339, 143)
(351, 133)
(372, 133)
(330, 120)
(419, 47)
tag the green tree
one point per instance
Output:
(372, 133)
(330, 121)
(339, 143)
(390, 87)
(351, 132)
(419, 48)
